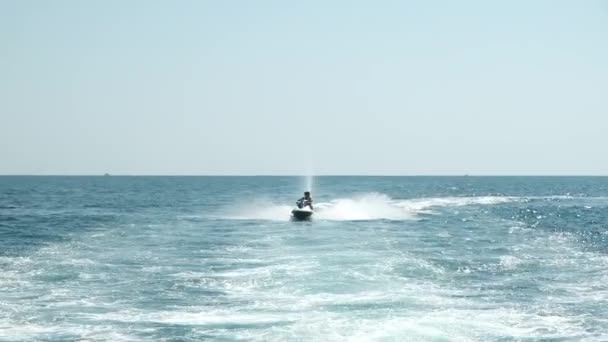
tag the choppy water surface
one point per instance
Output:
(385, 258)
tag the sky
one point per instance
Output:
(297, 87)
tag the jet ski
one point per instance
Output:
(303, 211)
(301, 214)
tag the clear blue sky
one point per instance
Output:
(278, 87)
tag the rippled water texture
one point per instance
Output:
(385, 258)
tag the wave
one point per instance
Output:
(371, 206)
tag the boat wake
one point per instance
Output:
(371, 206)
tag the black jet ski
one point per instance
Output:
(302, 213)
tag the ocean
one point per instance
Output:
(383, 259)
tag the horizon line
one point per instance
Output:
(299, 175)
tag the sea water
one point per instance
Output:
(384, 258)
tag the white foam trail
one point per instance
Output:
(425, 204)
(202, 316)
(269, 212)
(38, 332)
(371, 206)
(366, 207)
(377, 206)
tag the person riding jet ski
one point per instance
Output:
(305, 201)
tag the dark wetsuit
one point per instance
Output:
(303, 202)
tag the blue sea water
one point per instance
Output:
(384, 259)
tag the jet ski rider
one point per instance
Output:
(305, 201)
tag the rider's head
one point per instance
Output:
(307, 194)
